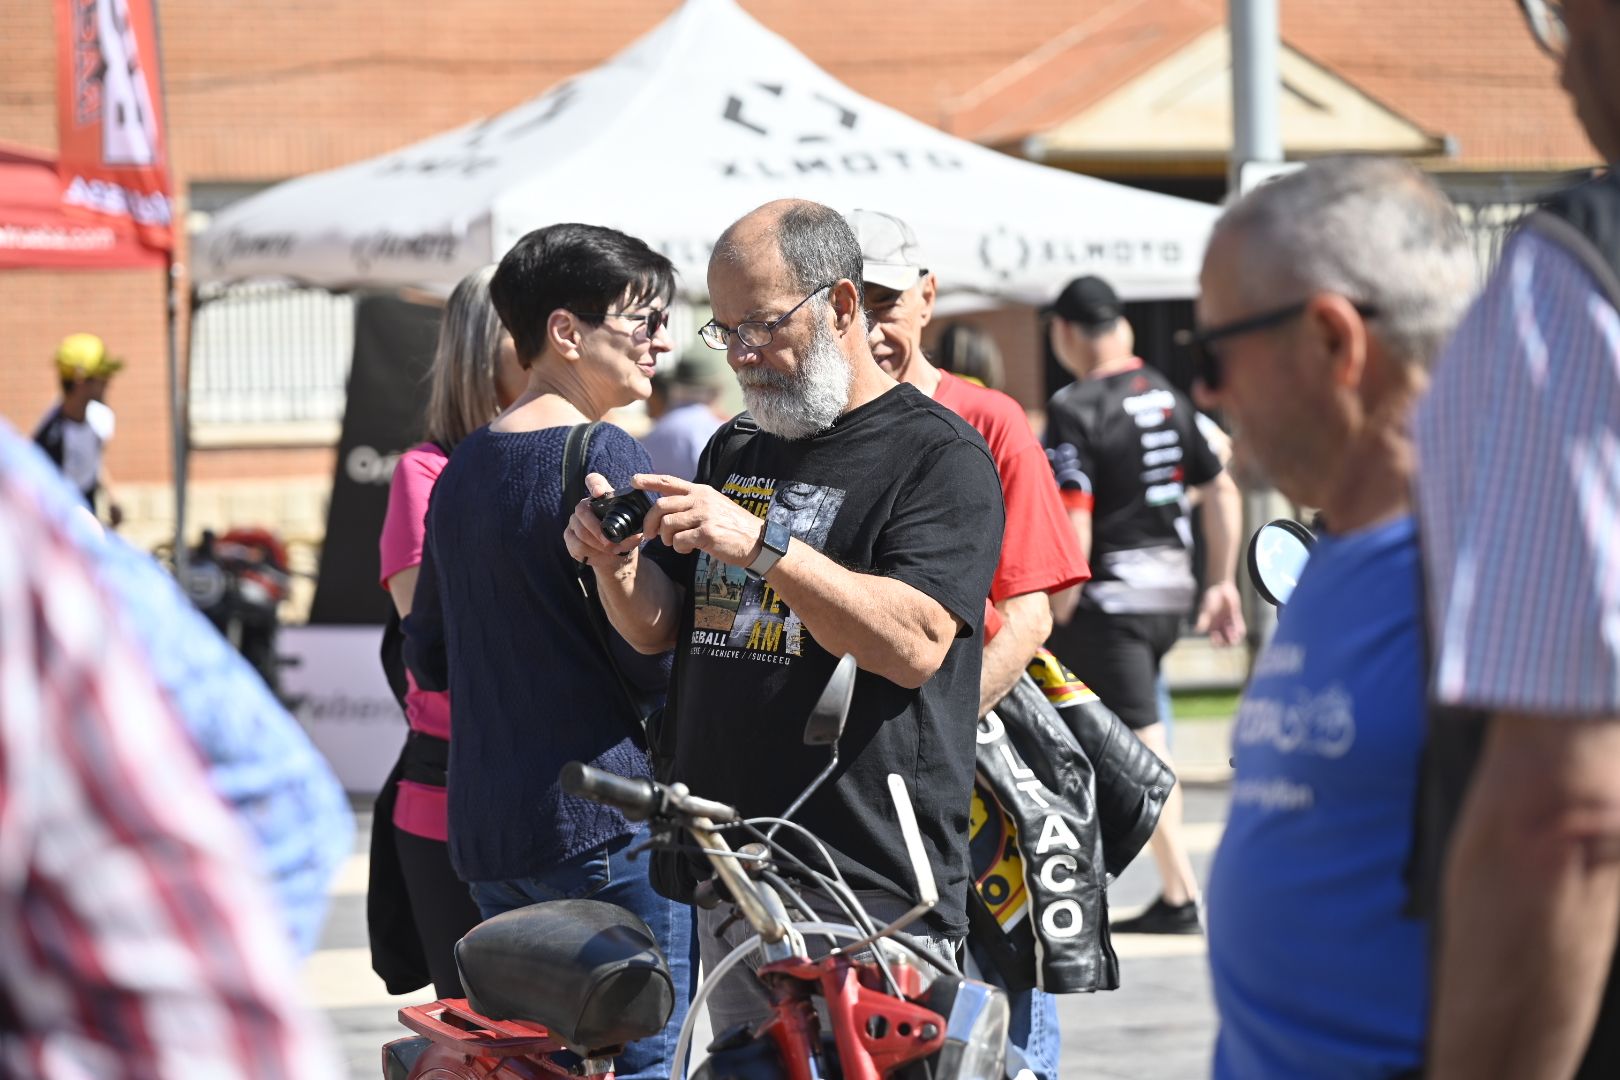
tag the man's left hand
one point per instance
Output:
(1221, 614)
(695, 517)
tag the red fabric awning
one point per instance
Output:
(37, 232)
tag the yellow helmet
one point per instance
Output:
(84, 356)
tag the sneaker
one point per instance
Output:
(1162, 918)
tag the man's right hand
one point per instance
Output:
(584, 537)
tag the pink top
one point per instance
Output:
(420, 808)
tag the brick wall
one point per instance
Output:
(126, 307)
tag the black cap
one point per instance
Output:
(1087, 301)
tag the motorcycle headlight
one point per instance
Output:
(976, 1023)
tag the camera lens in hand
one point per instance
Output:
(621, 512)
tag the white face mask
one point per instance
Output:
(808, 400)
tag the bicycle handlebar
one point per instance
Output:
(639, 799)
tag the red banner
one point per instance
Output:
(114, 159)
(36, 233)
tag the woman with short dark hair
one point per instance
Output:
(507, 631)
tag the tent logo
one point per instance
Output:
(1004, 252)
(371, 248)
(815, 123)
(748, 114)
(479, 150)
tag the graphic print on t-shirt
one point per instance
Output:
(737, 618)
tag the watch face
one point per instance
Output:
(777, 535)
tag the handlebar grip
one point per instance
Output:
(638, 799)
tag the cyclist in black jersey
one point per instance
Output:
(1126, 450)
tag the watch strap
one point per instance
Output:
(773, 545)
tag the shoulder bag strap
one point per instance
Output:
(732, 437)
(576, 449)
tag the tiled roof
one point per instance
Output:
(1463, 68)
(262, 89)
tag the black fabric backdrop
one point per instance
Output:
(387, 399)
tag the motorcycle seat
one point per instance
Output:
(587, 970)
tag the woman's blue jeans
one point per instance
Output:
(605, 873)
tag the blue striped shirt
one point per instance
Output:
(1519, 492)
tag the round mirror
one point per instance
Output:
(1278, 552)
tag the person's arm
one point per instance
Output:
(1062, 604)
(640, 600)
(402, 586)
(1531, 898)
(1220, 612)
(115, 509)
(1026, 620)
(404, 530)
(891, 628)
(425, 651)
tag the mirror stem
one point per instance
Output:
(787, 814)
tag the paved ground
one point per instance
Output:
(1158, 1026)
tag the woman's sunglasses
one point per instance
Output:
(656, 319)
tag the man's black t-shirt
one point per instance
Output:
(1129, 444)
(899, 488)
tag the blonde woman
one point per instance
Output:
(475, 375)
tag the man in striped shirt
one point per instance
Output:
(136, 937)
(1519, 497)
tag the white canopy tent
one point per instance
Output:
(705, 117)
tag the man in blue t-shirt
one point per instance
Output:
(1325, 295)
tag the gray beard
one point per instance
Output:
(804, 402)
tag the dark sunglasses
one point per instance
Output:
(1207, 362)
(656, 319)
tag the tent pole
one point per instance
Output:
(179, 418)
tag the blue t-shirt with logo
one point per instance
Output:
(1317, 971)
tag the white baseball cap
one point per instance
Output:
(890, 254)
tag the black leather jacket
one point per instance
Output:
(1083, 796)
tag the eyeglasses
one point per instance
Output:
(656, 319)
(1207, 362)
(1546, 19)
(754, 335)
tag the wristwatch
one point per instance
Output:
(773, 545)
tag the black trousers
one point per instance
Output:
(440, 904)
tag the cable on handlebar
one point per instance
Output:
(837, 887)
(852, 908)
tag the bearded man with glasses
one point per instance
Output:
(861, 518)
(1519, 503)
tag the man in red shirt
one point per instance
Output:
(1040, 554)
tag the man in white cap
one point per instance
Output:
(1040, 554)
(76, 430)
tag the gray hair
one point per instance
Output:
(461, 397)
(818, 247)
(1374, 230)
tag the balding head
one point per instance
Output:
(810, 243)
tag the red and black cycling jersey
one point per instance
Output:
(1126, 446)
